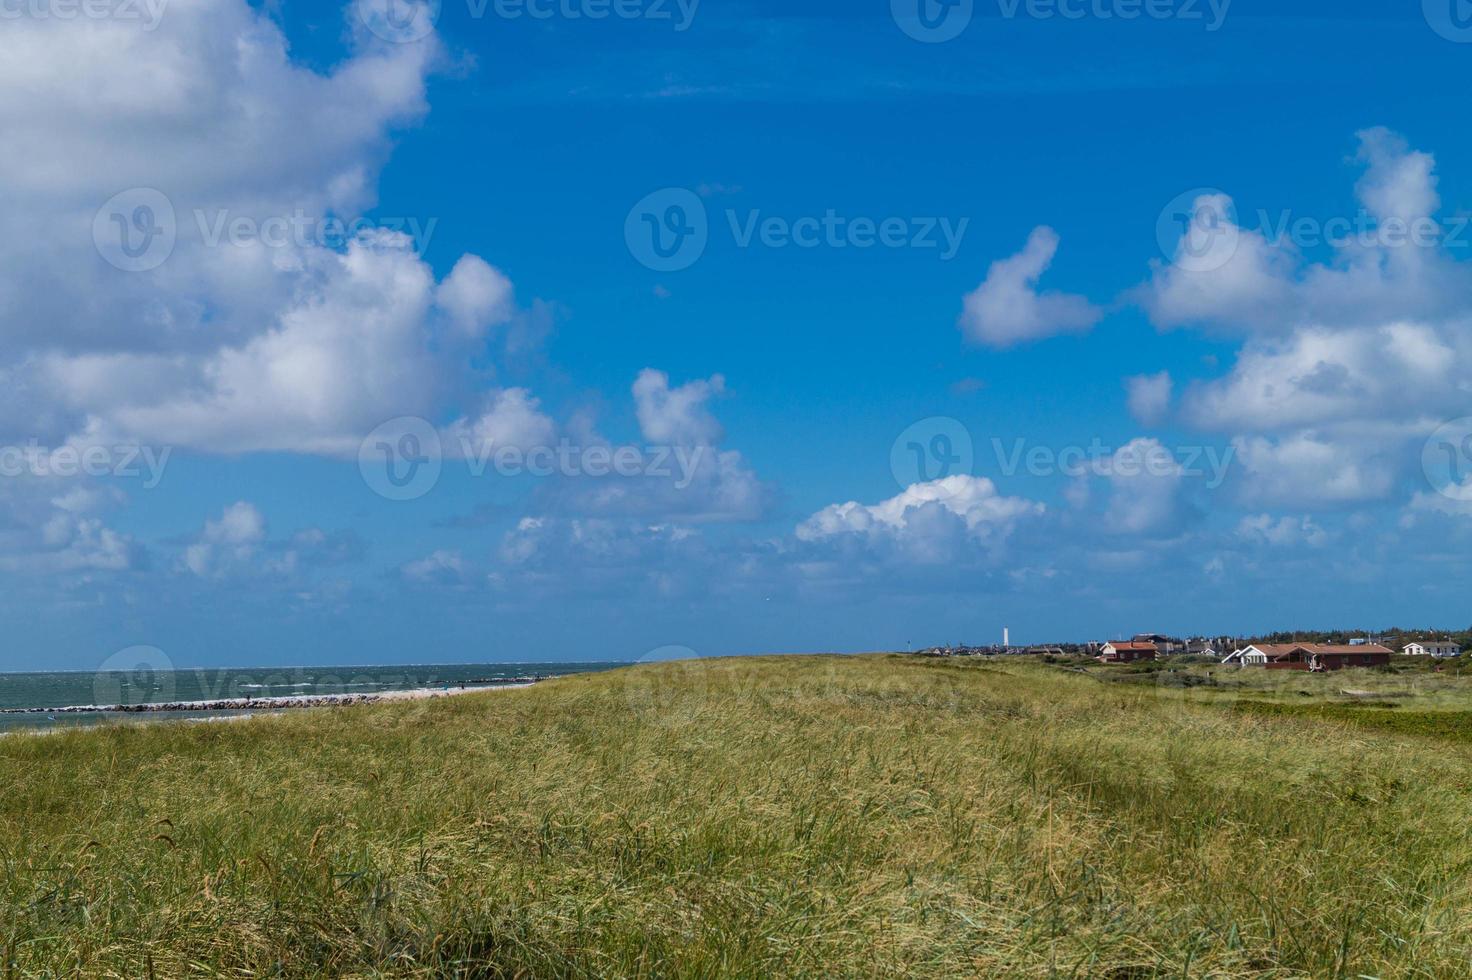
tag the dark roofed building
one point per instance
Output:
(1164, 645)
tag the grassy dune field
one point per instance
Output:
(817, 816)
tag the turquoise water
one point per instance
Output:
(144, 685)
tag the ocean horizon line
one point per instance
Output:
(385, 666)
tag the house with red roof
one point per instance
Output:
(1126, 652)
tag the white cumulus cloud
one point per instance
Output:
(1007, 308)
(918, 514)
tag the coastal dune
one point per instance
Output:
(791, 816)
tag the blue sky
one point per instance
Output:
(1276, 393)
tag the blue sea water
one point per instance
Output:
(143, 684)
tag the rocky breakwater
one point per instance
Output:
(273, 703)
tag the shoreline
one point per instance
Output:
(274, 702)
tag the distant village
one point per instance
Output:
(1307, 651)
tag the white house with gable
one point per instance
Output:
(1252, 654)
(1432, 648)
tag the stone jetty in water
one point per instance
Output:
(274, 703)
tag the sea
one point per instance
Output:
(144, 685)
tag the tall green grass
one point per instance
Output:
(876, 816)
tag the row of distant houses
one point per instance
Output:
(1282, 656)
